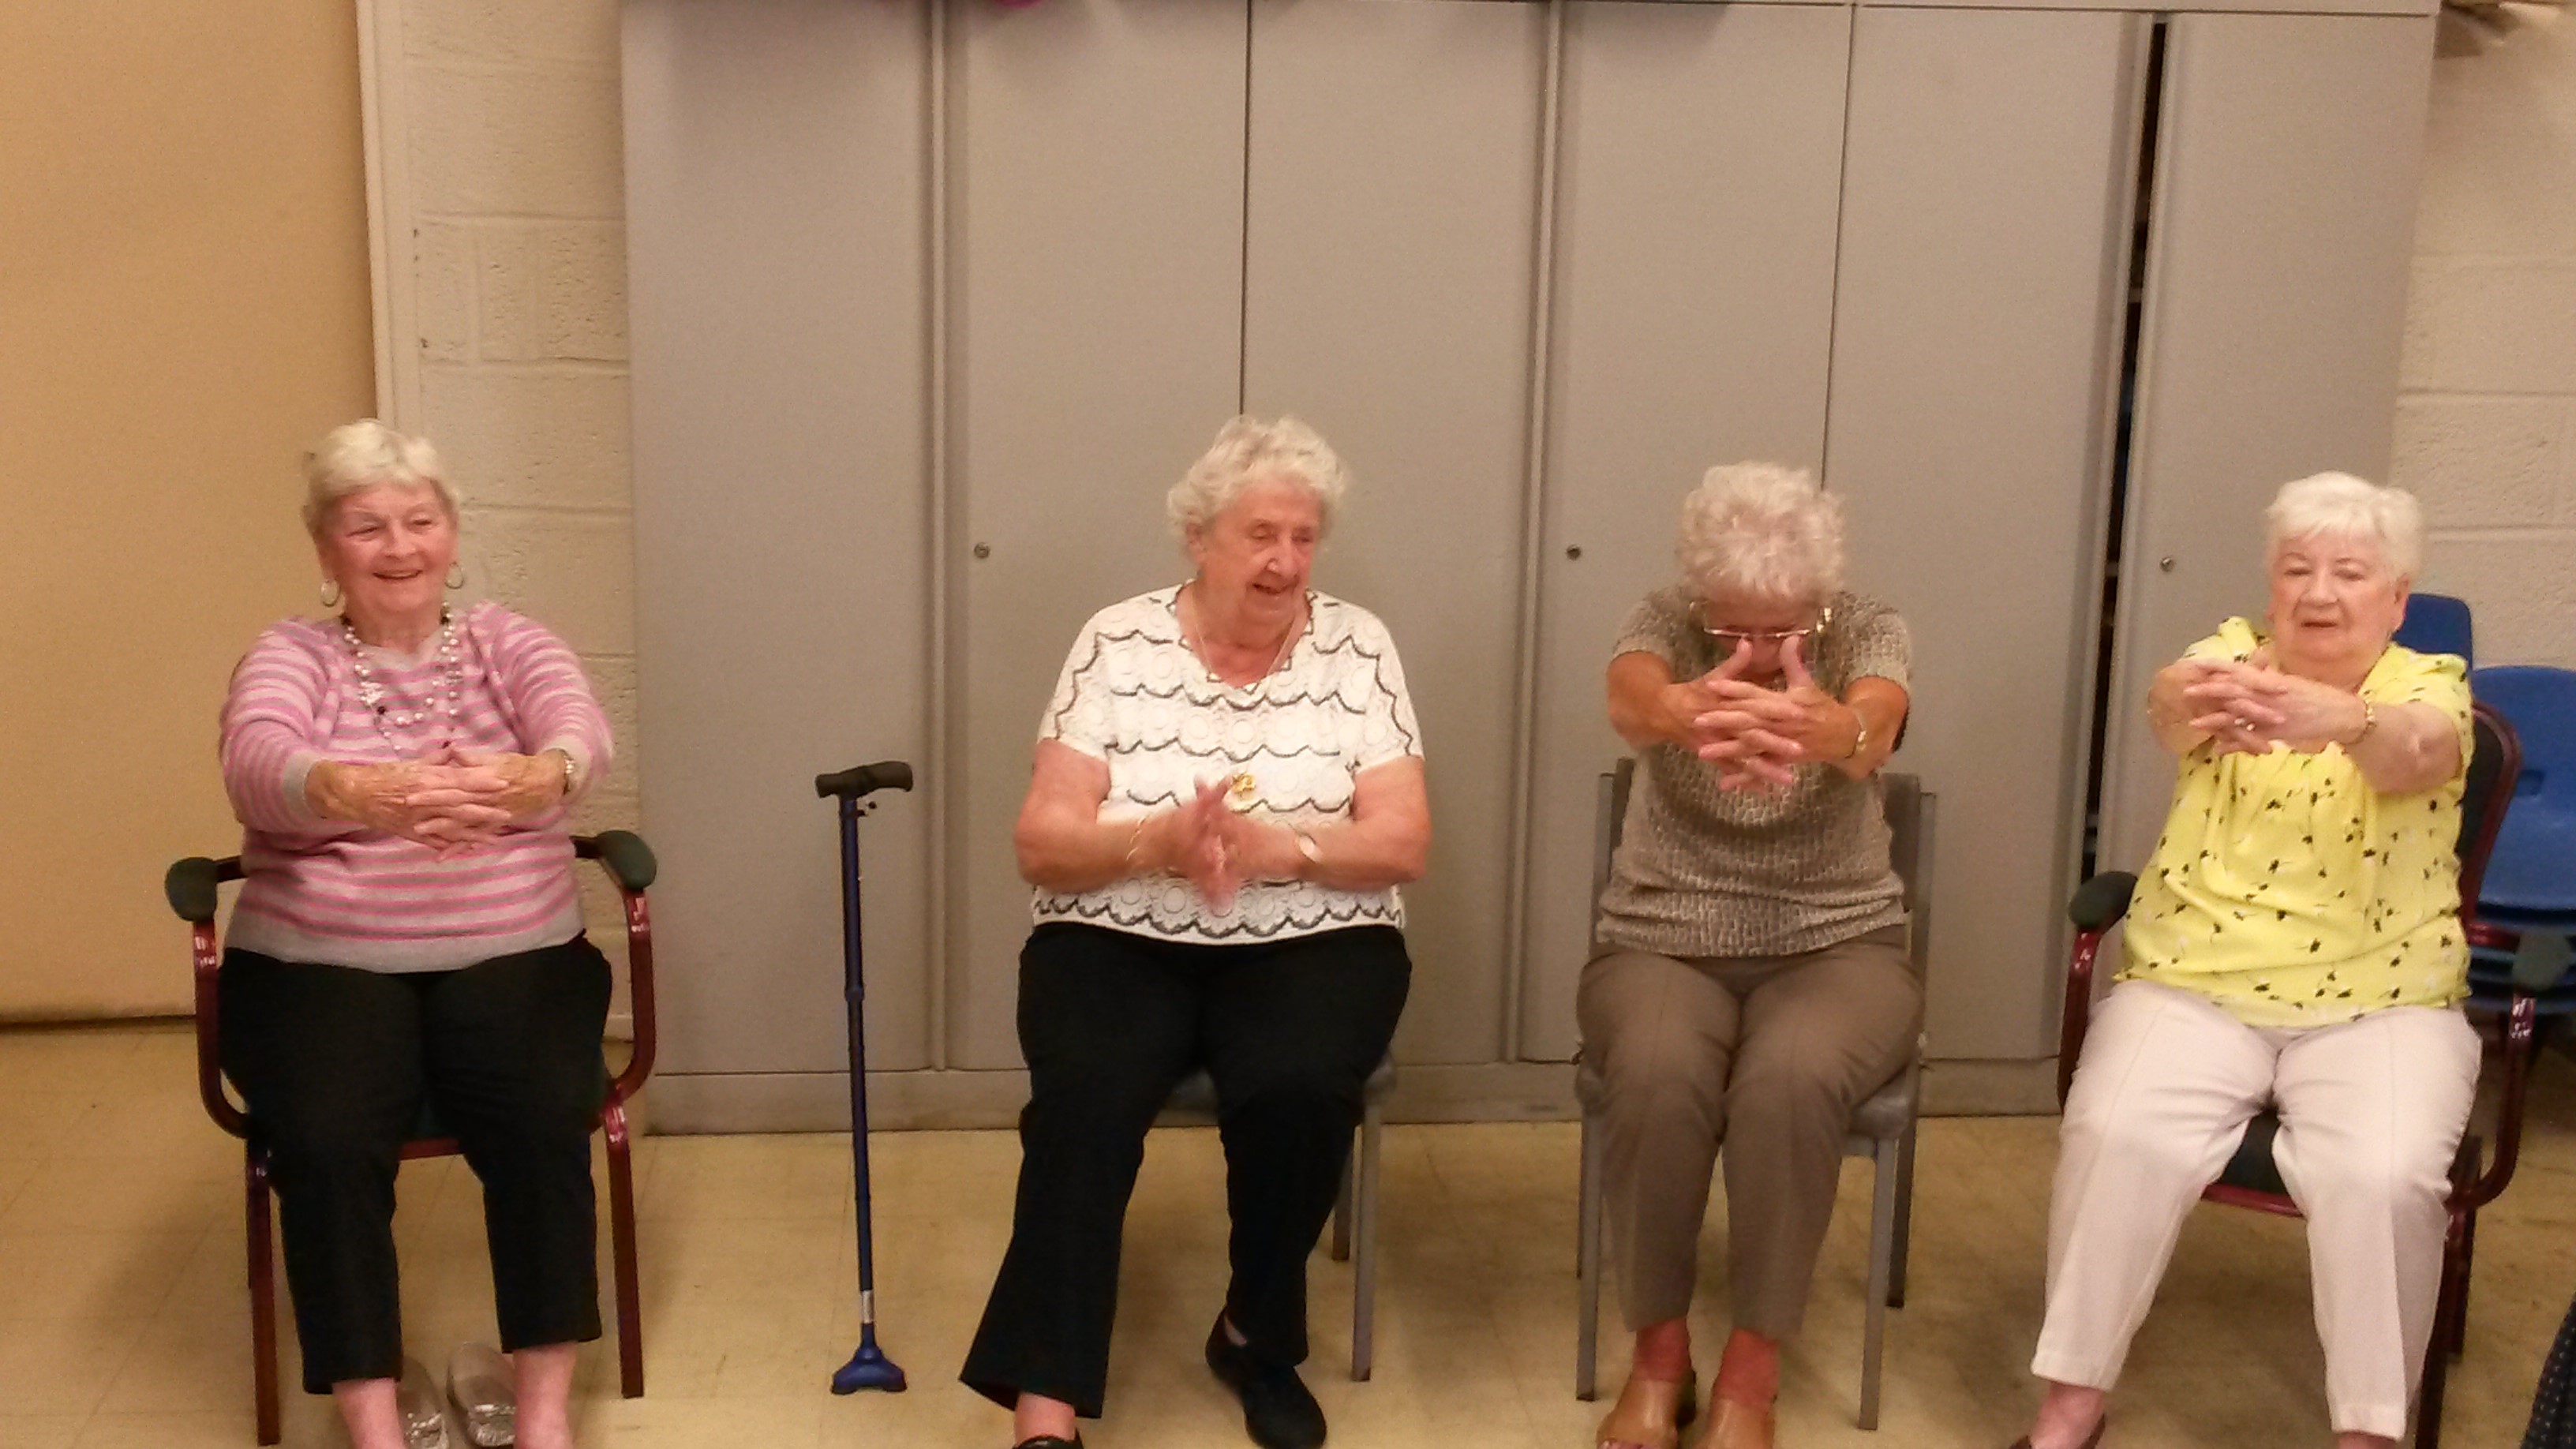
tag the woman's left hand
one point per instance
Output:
(481, 793)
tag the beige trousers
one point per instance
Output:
(1767, 1054)
(2371, 1113)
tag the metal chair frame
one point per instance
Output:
(193, 885)
(1355, 1213)
(2100, 903)
(1884, 1125)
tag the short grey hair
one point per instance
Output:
(2338, 505)
(355, 457)
(1763, 531)
(1247, 451)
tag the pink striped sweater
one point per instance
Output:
(346, 895)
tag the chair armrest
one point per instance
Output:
(190, 885)
(2099, 903)
(630, 862)
(2098, 906)
(2521, 1020)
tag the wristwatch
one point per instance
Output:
(1860, 735)
(1306, 847)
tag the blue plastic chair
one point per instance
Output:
(2439, 624)
(2531, 880)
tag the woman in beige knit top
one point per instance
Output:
(1755, 985)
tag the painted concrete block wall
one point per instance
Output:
(2486, 420)
(519, 257)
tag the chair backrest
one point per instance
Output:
(2541, 703)
(1909, 850)
(2495, 772)
(2439, 624)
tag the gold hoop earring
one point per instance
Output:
(330, 593)
(456, 576)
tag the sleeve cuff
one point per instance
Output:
(584, 764)
(294, 781)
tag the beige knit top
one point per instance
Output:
(1707, 872)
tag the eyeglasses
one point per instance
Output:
(1729, 639)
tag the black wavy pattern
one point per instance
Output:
(1347, 643)
(1350, 910)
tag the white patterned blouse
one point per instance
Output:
(1291, 747)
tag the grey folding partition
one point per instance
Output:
(933, 299)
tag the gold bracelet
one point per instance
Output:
(1135, 838)
(568, 773)
(2369, 722)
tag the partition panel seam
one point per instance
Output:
(936, 423)
(1525, 653)
(1834, 281)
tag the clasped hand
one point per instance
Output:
(449, 800)
(1757, 736)
(1217, 848)
(2250, 707)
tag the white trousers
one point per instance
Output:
(2371, 1114)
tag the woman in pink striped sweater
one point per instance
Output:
(408, 934)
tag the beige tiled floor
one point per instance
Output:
(123, 1320)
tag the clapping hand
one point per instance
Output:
(1197, 845)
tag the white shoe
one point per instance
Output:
(480, 1381)
(418, 1406)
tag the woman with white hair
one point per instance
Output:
(1228, 790)
(408, 933)
(1754, 985)
(2294, 943)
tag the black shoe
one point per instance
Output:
(1277, 1411)
(1050, 1441)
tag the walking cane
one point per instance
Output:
(868, 1368)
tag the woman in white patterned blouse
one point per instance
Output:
(1228, 790)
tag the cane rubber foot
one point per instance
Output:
(869, 1368)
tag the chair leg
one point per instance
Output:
(2437, 1358)
(263, 1294)
(1904, 1215)
(1364, 1206)
(1342, 1211)
(1587, 1255)
(621, 1231)
(2459, 1343)
(1882, 1265)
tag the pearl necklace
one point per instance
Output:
(442, 696)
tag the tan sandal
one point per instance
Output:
(1650, 1412)
(1734, 1425)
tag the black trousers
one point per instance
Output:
(336, 1065)
(1110, 1022)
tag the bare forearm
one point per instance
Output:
(1639, 703)
(1069, 855)
(1367, 855)
(2169, 712)
(2405, 748)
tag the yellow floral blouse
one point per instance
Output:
(2291, 893)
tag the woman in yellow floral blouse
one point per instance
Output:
(2295, 943)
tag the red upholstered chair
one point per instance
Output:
(2250, 1179)
(193, 885)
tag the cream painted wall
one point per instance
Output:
(2486, 424)
(183, 294)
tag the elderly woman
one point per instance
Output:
(1755, 985)
(408, 933)
(1228, 790)
(2294, 943)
